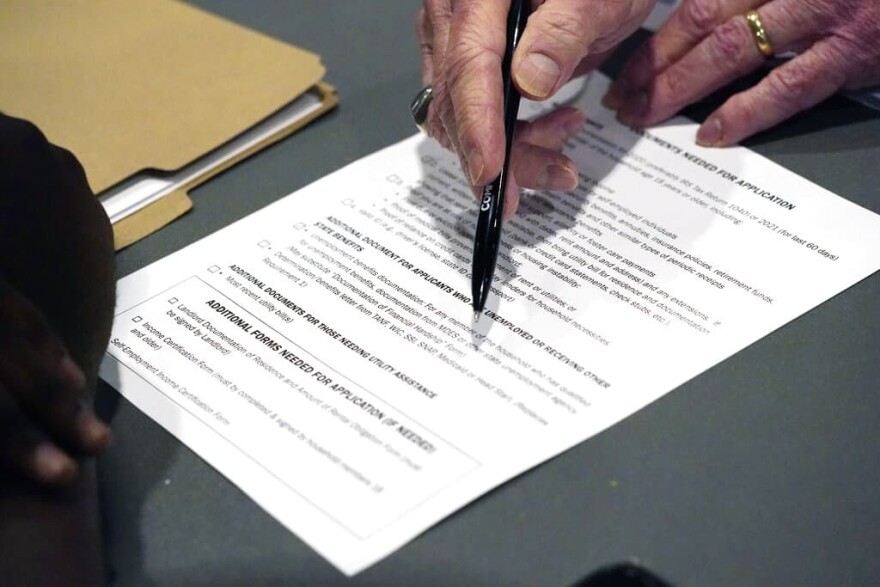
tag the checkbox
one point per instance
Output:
(136, 319)
(172, 300)
(213, 269)
(263, 244)
(299, 225)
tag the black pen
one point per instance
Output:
(487, 238)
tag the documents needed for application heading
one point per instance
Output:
(321, 352)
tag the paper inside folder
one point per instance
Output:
(143, 189)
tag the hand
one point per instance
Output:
(462, 47)
(706, 44)
(56, 293)
(44, 420)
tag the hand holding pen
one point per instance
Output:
(487, 236)
(477, 57)
(462, 48)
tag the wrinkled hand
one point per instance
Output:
(706, 44)
(462, 47)
(44, 420)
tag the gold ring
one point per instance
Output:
(758, 33)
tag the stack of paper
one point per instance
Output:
(323, 356)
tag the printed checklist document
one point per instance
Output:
(321, 353)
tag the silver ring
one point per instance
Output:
(419, 107)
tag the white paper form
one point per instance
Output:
(321, 353)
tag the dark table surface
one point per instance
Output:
(764, 470)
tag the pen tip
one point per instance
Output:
(476, 316)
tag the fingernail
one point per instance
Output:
(70, 372)
(557, 177)
(614, 96)
(710, 133)
(50, 464)
(633, 110)
(474, 165)
(94, 434)
(538, 75)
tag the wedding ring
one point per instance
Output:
(419, 107)
(758, 33)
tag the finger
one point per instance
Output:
(55, 399)
(438, 14)
(591, 62)
(30, 352)
(37, 370)
(536, 158)
(727, 53)
(537, 168)
(425, 35)
(24, 449)
(561, 33)
(552, 130)
(536, 161)
(511, 200)
(473, 115)
(686, 27)
(537, 147)
(22, 325)
(792, 87)
(543, 169)
(72, 423)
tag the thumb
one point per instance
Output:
(560, 34)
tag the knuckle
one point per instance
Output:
(426, 48)
(673, 84)
(641, 67)
(729, 40)
(789, 85)
(463, 57)
(700, 16)
(526, 131)
(856, 49)
(437, 16)
(566, 33)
